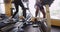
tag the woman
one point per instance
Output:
(18, 3)
(39, 6)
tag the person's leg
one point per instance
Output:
(43, 12)
(16, 6)
(23, 8)
(37, 10)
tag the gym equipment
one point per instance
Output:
(42, 25)
(7, 28)
(25, 24)
(7, 24)
(3, 16)
(30, 28)
(2, 24)
(32, 24)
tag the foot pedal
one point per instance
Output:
(35, 25)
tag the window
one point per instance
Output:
(55, 10)
(2, 7)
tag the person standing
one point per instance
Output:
(39, 6)
(18, 3)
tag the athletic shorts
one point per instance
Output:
(39, 5)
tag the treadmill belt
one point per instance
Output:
(32, 29)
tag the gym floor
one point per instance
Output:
(55, 29)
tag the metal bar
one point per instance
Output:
(48, 18)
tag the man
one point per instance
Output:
(17, 3)
(39, 6)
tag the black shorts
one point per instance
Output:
(40, 6)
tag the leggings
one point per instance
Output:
(17, 9)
